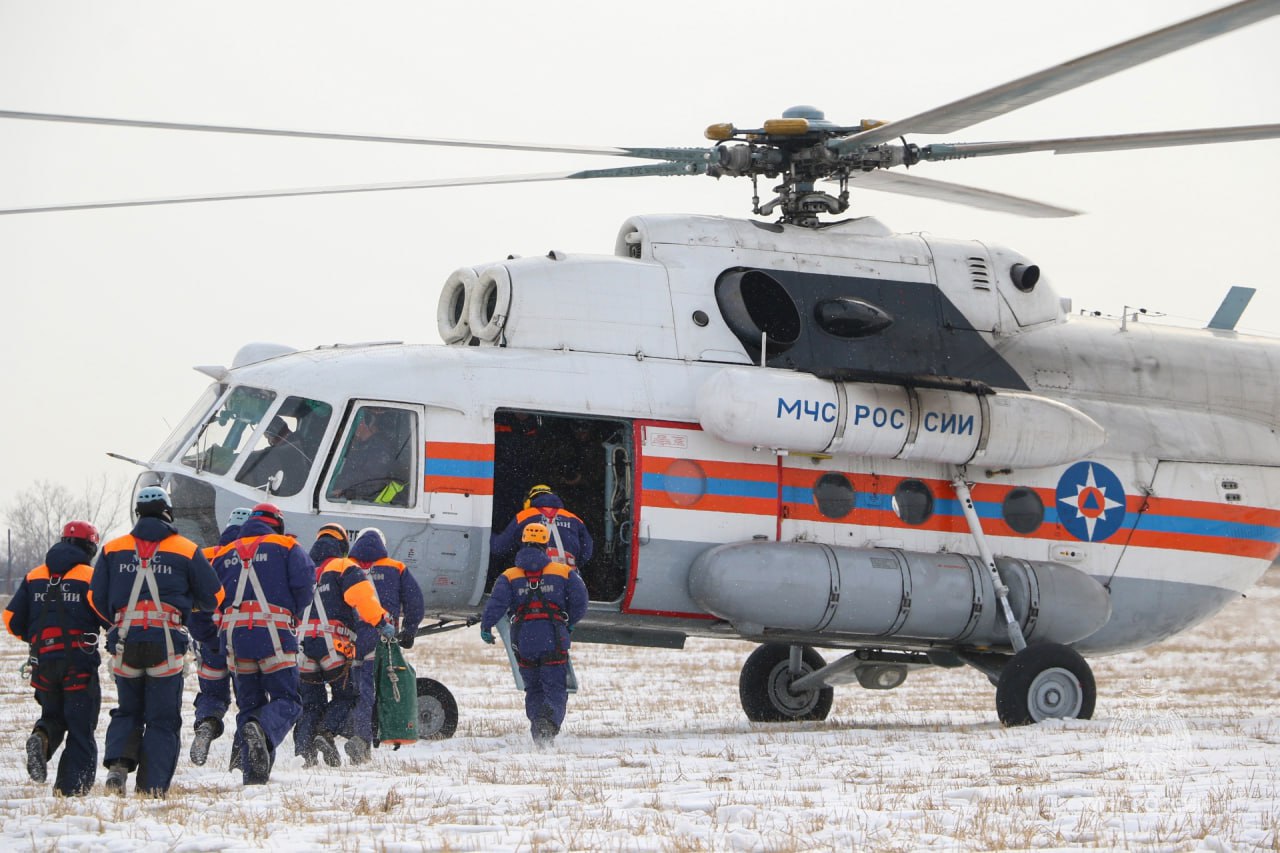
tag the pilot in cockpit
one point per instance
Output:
(281, 455)
(375, 466)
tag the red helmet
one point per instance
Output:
(80, 530)
(269, 513)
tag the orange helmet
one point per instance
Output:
(535, 534)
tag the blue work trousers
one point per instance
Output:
(350, 712)
(72, 714)
(271, 699)
(213, 696)
(145, 729)
(545, 693)
(315, 698)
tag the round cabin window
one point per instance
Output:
(834, 495)
(1023, 510)
(913, 502)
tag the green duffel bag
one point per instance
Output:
(397, 687)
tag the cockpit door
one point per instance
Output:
(376, 462)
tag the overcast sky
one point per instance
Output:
(105, 312)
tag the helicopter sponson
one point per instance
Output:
(761, 587)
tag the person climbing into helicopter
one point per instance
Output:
(213, 679)
(544, 600)
(146, 585)
(347, 601)
(570, 541)
(269, 581)
(50, 612)
(401, 596)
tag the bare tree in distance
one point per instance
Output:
(36, 516)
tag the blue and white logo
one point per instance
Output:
(1090, 501)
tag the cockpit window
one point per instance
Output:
(224, 435)
(182, 433)
(282, 458)
(377, 461)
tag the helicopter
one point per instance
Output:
(802, 433)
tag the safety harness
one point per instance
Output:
(535, 607)
(255, 613)
(51, 644)
(559, 553)
(339, 646)
(152, 613)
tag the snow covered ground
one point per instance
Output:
(1183, 754)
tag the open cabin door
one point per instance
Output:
(693, 492)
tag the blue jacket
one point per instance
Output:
(287, 576)
(183, 577)
(350, 598)
(397, 590)
(541, 616)
(33, 614)
(202, 627)
(572, 530)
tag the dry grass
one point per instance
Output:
(657, 756)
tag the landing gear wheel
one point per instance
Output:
(763, 687)
(1045, 682)
(437, 711)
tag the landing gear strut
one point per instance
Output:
(1045, 682)
(764, 686)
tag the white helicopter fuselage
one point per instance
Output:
(788, 410)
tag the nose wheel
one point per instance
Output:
(437, 711)
(764, 686)
(1045, 682)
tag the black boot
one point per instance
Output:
(257, 755)
(327, 748)
(357, 749)
(38, 756)
(117, 776)
(207, 730)
(544, 731)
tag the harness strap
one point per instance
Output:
(125, 620)
(559, 550)
(267, 613)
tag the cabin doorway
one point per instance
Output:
(587, 462)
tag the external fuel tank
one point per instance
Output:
(891, 593)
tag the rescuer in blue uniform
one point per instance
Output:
(357, 619)
(263, 602)
(570, 543)
(400, 595)
(327, 638)
(146, 585)
(50, 611)
(213, 679)
(544, 600)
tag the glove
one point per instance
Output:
(387, 630)
(486, 635)
(406, 639)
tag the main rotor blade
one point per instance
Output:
(898, 182)
(625, 172)
(1015, 94)
(684, 154)
(1087, 144)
